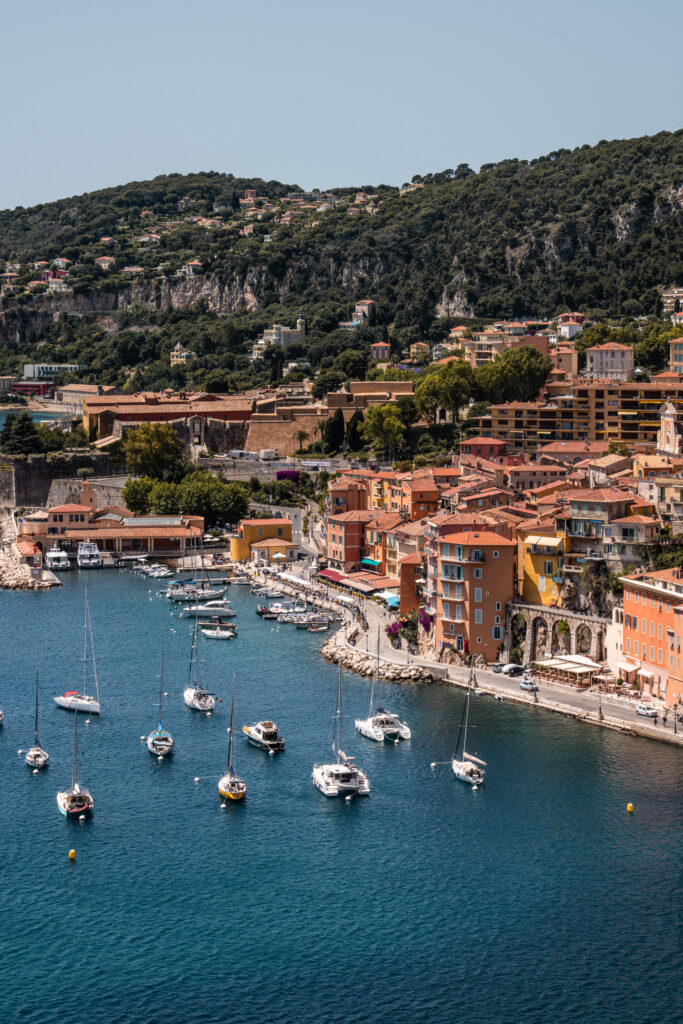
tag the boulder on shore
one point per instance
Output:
(335, 649)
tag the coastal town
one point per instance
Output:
(545, 541)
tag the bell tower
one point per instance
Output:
(668, 437)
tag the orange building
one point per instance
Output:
(415, 496)
(653, 625)
(348, 494)
(475, 582)
(346, 539)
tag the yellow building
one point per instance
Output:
(379, 489)
(251, 531)
(541, 559)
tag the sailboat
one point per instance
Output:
(230, 786)
(36, 757)
(342, 777)
(201, 589)
(381, 724)
(75, 802)
(194, 694)
(159, 741)
(467, 767)
(72, 700)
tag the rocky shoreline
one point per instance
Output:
(16, 575)
(363, 664)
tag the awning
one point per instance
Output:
(549, 542)
(625, 667)
(330, 574)
(370, 561)
(644, 674)
(344, 599)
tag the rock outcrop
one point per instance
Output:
(336, 650)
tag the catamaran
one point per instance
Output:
(37, 757)
(75, 802)
(342, 777)
(72, 700)
(88, 555)
(381, 724)
(467, 767)
(56, 559)
(159, 741)
(230, 786)
(194, 694)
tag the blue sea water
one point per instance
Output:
(536, 898)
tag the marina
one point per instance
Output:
(503, 858)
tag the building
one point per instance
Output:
(279, 337)
(541, 560)
(104, 262)
(380, 352)
(347, 493)
(652, 629)
(476, 581)
(46, 371)
(72, 396)
(672, 300)
(565, 358)
(200, 415)
(419, 350)
(6, 382)
(346, 539)
(181, 356)
(415, 496)
(676, 354)
(274, 551)
(610, 361)
(484, 447)
(251, 532)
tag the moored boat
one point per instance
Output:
(37, 756)
(88, 555)
(340, 777)
(195, 695)
(381, 724)
(230, 786)
(76, 801)
(467, 767)
(57, 560)
(72, 700)
(159, 741)
(264, 735)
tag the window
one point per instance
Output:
(659, 653)
(496, 633)
(476, 574)
(478, 616)
(458, 613)
(497, 620)
(628, 645)
(548, 568)
(477, 594)
(495, 554)
(541, 584)
(458, 591)
(498, 606)
(659, 631)
(652, 653)
(652, 627)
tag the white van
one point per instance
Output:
(268, 454)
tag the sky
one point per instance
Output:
(101, 92)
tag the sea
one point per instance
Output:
(536, 898)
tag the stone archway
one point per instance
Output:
(561, 638)
(520, 632)
(539, 639)
(584, 640)
(598, 647)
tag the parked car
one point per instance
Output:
(647, 711)
(497, 667)
(512, 670)
(528, 684)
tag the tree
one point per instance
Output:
(428, 396)
(382, 427)
(334, 431)
(135, 494)
(301, 436)
(164, 498)
(455, 381)
(202, 494)
(517, 376)
(618, 448)
(352, 364)
(19, 435)
(153, 449)
(408, 410)
(327, 380)
(218, 382)
(354, 432)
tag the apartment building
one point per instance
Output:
(676, 354)
(347, 494)
(346, 539)
(599, 523)
(541, 561)
(476, 580)
(652, 629)
(610, 361)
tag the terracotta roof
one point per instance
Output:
(484, 440)
(70, 508)
(476, 538)
(358, 516)
(637, 520)
(123, 532)
(411, 560)
(279, 521)
(585, 494)
(275, 542)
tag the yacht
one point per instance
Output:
(381, 724)
(230, 786)
(36, 757)
(467, 767)
(194, 694)
(265, 736)
(216, 633)
(57, 560)
(72, 700)
(159, 741)
(341, 777)
(88, 555)
(76, 801)
(212, 609)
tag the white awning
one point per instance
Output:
(644, 674)
(548, 542)
(625, 667)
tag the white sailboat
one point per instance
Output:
(341, 777)
(36, 757)
(381, 724)
(76, 801)
(230, 786)
(72, 700)
(467, 767)
(159, 741)
(195, 695)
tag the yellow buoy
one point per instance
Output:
(629, 808)
(72, 855)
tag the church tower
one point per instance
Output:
(668, 437)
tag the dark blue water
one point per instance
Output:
(39, 417)
(535, 899)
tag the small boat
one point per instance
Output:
(88, 555)
(37, 757)
(212, 609)
(76, 801)
(56, 559)
(381, 724)
(467, 767)
(159, 741)
(194, 694)
(341, 777)
(217, 633)
(72, 700)
(264, 735)
(318, 629)
(241, 581)
(230, 786)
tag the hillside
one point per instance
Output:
(596, 228)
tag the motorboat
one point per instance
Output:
(381, 725)
(340, 777)
(230, 786)
(467, 767)
(194, 592)
(264, 735)
(212, 609)
(159, 741)
(216, 633)
(88, 555)
(241, 581)
(76, 801)
(37, 756)
(195, 695)
(57, 560)
(73, 700)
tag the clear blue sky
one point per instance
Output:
(100, 92)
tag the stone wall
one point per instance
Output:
(66, 490)
(26, 479)
(277, 430)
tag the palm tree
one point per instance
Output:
(301, 436)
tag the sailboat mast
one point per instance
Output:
(74, 769)
(85, 642)
(232, 723)
(378, 642)
(92, 648)
(339, 714)
(467, 710)
(37, 744)
(161, 679)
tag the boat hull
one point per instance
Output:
(375, 728)
(36, 757)
(74, 809)
(160, 746)
(78, 703)
(256, 741)
(468, 772)
(199, 700)
(232, 788)
(331, 785)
